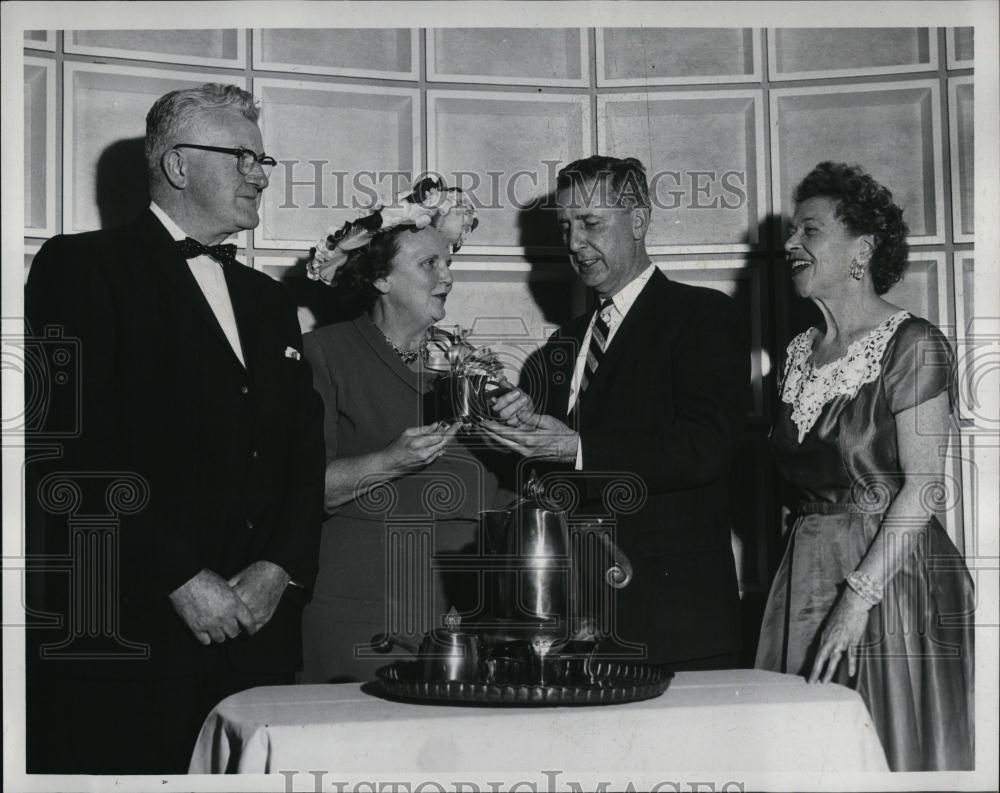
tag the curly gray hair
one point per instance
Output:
(174, 112)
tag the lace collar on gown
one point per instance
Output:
(807, 388)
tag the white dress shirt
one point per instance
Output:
(621, 302)
(208, 273)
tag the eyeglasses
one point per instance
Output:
(245, 159)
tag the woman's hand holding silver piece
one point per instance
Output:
(417, 447)
(843, 632)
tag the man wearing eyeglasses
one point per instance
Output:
(192, 389)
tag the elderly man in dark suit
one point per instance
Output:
(657, 390)
(193, 389)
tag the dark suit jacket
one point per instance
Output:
(232, 458)
(666, 406)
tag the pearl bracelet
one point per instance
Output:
(865, 587)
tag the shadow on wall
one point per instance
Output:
(753, 510)
(121, 183)
(537, 228)
(318, 304)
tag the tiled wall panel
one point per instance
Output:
(961, 48)
(505, 56)
(504, 149)
(892, 129)
(797, 53)
(724, 137)
(677, 56)
(961, 110)
(39, 147)
(222, 48)
(703, 156)
(40, 39)
(924, 290)
(384, 53)
(338, 147)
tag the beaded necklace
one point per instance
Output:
(406, 356)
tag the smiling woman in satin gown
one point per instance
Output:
(871, 592)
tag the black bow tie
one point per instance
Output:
(225, 254)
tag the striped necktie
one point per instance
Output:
(598, 343)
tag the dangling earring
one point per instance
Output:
(858, 268)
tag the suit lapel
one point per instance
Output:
(161, 255)
(635, 328)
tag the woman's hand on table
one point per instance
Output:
(418, 447)
(842, 634)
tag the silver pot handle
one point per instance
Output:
(619, 575)
(383, 643)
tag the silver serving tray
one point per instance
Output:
(569, 682)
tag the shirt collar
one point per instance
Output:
(627, 295)
(168, 222)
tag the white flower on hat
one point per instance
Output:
(437, 202)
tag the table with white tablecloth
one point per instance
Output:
(741, 719)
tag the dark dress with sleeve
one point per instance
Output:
(384, 557)
(835, 440)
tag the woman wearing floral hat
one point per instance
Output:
(402, 490)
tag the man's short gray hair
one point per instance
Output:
(174, 112)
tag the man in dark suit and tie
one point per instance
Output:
(194, 395)
(656, 390)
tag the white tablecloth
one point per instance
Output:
(740, 720)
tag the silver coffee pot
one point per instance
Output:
(537, 590)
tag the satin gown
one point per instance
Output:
(835, 440)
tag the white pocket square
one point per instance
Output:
(291, 352)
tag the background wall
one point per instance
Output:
(728, 118)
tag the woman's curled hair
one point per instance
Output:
(355, 280)
(864, 207)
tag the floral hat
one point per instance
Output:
(430, 203)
